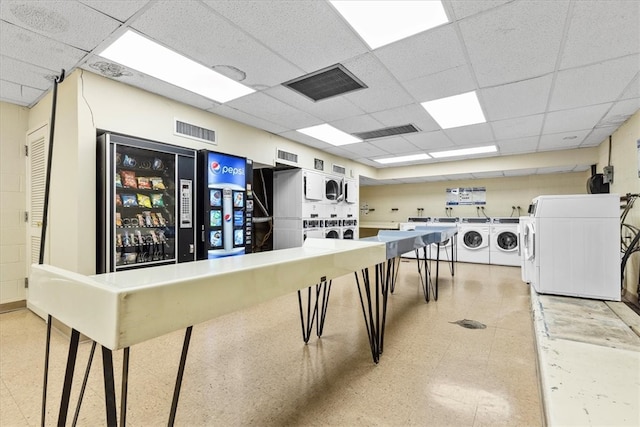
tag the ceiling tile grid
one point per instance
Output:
(575, 119)
(518, 128)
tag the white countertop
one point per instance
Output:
(589, 363)
(123, 308)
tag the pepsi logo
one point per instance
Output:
(227, 217)
(216, 167)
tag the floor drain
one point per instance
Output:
(470, 324)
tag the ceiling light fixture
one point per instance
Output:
(455, 111)
(382, 22)
(465, 151)
(330, 135)
(401, 159)
(139, 53)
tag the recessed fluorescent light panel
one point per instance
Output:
(382, 22)
(465, 152)
(330, 135)
(401, 159)
(141, 54)
(456, 111)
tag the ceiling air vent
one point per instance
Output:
(339, 169)
(287, 157)
(390, 131)
(195, 132)
(331, 81)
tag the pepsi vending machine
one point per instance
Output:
(225, 205)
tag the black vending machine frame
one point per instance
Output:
(184, 226)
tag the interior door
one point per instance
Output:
(37, 147)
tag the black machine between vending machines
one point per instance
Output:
(145, 203)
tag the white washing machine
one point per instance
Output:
(413, 222)
(577, 245)
(349, 228)
(526, 235)
(503, 247)
(447, 245)
(332, 229)
(473, 240)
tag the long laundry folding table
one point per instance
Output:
(118, 310)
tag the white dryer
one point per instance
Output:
(503, 247)
(312, 227)
(473, 240)
(332, 229)
(577, 245)
(349, 229)
(526, 234)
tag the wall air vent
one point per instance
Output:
(287, 156)
(390, 131)
(331, 81)
(339, 169)
(195, 132)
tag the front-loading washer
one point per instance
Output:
(312, 228)
(410, 225)
(332, 229)
(503, 248)
(473, 240)
(349, 229)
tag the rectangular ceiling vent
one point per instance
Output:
(195, 132)
(287, 157)
(390, 131)
(322, 84)
(339, 169)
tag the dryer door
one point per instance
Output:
(332, 234)
(332, 189)
(529, 242)
(507, 241)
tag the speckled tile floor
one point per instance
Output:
(252, 368)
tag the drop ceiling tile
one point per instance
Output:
(518, 128)
(366, 149)
(620, 112)
(407, 114)
(270, 109)
(430, 141)
(465, 8)
(309, 34)
(383, 91)
(446, 83)
(153, 85)
(342, 151)
(395, 145)
(424, 54)
(518, 99)
(357, 124)
(593, 84)
(118, 9)
(242, 117)
(601, 30)
(633, 90)
(32, 48)
(368, 162)
(18, 94)
(25, 74)
(598, 136)
(71, 23)
(327, 110)
(186, 27)
(556, 141)
(470, 135)
(575, 119)
(518, 145)
(305, 139)
(517, 41)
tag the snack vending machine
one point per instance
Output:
(146, 200)
(225, 205)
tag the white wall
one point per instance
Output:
(13, 128)
(624, 158)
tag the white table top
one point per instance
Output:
(400, 242)
(123, 308)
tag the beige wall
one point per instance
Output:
(13, 266)
(624, 158)
(501, 193)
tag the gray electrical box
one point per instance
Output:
(607, 171)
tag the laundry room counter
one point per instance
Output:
(588, 361)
